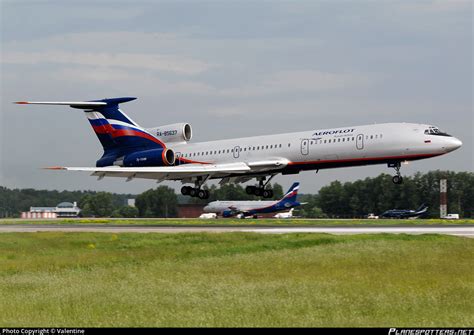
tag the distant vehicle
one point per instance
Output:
(286, 215)
(208, 216)
(405, 213)
(372, 216)
(451, 217)
(242, 209)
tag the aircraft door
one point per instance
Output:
(360, 142)
(236, 152)
(305, 147)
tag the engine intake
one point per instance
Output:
(153, 157)
(176, 132)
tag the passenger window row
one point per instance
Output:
(344, 139)
(231, 151)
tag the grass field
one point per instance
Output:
(236, 279)
(240, 222)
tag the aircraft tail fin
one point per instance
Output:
(421, 208)
(116, 131)
(292, 193)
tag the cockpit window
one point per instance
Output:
(435, 131)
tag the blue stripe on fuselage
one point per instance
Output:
(98, 122)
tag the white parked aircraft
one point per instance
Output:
(208, 216)
(286, 215)
(166, 153)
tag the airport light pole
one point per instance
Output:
(443, 198)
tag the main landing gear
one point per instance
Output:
(196, 191)
(261, 190)
(397, 179)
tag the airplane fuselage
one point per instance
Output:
(249, 207)
(327, 148)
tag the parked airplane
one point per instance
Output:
(253, 208)
(405, 213)
(287, 215)
(165, 152)
(208, 216)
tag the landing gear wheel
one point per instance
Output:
(185, 190)
(267, 193)
(258, 192)
(250, 190)
(202, 194)
(397, 179)
(193, 192)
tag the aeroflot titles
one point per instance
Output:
(332, 132)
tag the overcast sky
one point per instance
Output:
(231, 69)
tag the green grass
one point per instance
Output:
(240, 222)
(235, 279)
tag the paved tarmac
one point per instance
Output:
(460, 230)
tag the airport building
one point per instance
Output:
(190, 210)
(62, 210)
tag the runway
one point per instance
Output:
(460, 230)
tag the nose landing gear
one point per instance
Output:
(397, 179)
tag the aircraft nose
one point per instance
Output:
(453, 144)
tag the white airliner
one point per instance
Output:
(166, 153)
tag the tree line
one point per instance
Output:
(349, 199)
(376, 195)
(159, 202)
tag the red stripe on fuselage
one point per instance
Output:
(395, 158)
(189, 161)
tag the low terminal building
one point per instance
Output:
(62, 210)
(190, 210)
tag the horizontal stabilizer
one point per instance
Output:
(81, 104)
(66, 103)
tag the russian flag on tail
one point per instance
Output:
(117, 132)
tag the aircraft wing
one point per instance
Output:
(235, 210)
(268, 165)
(161, 173)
